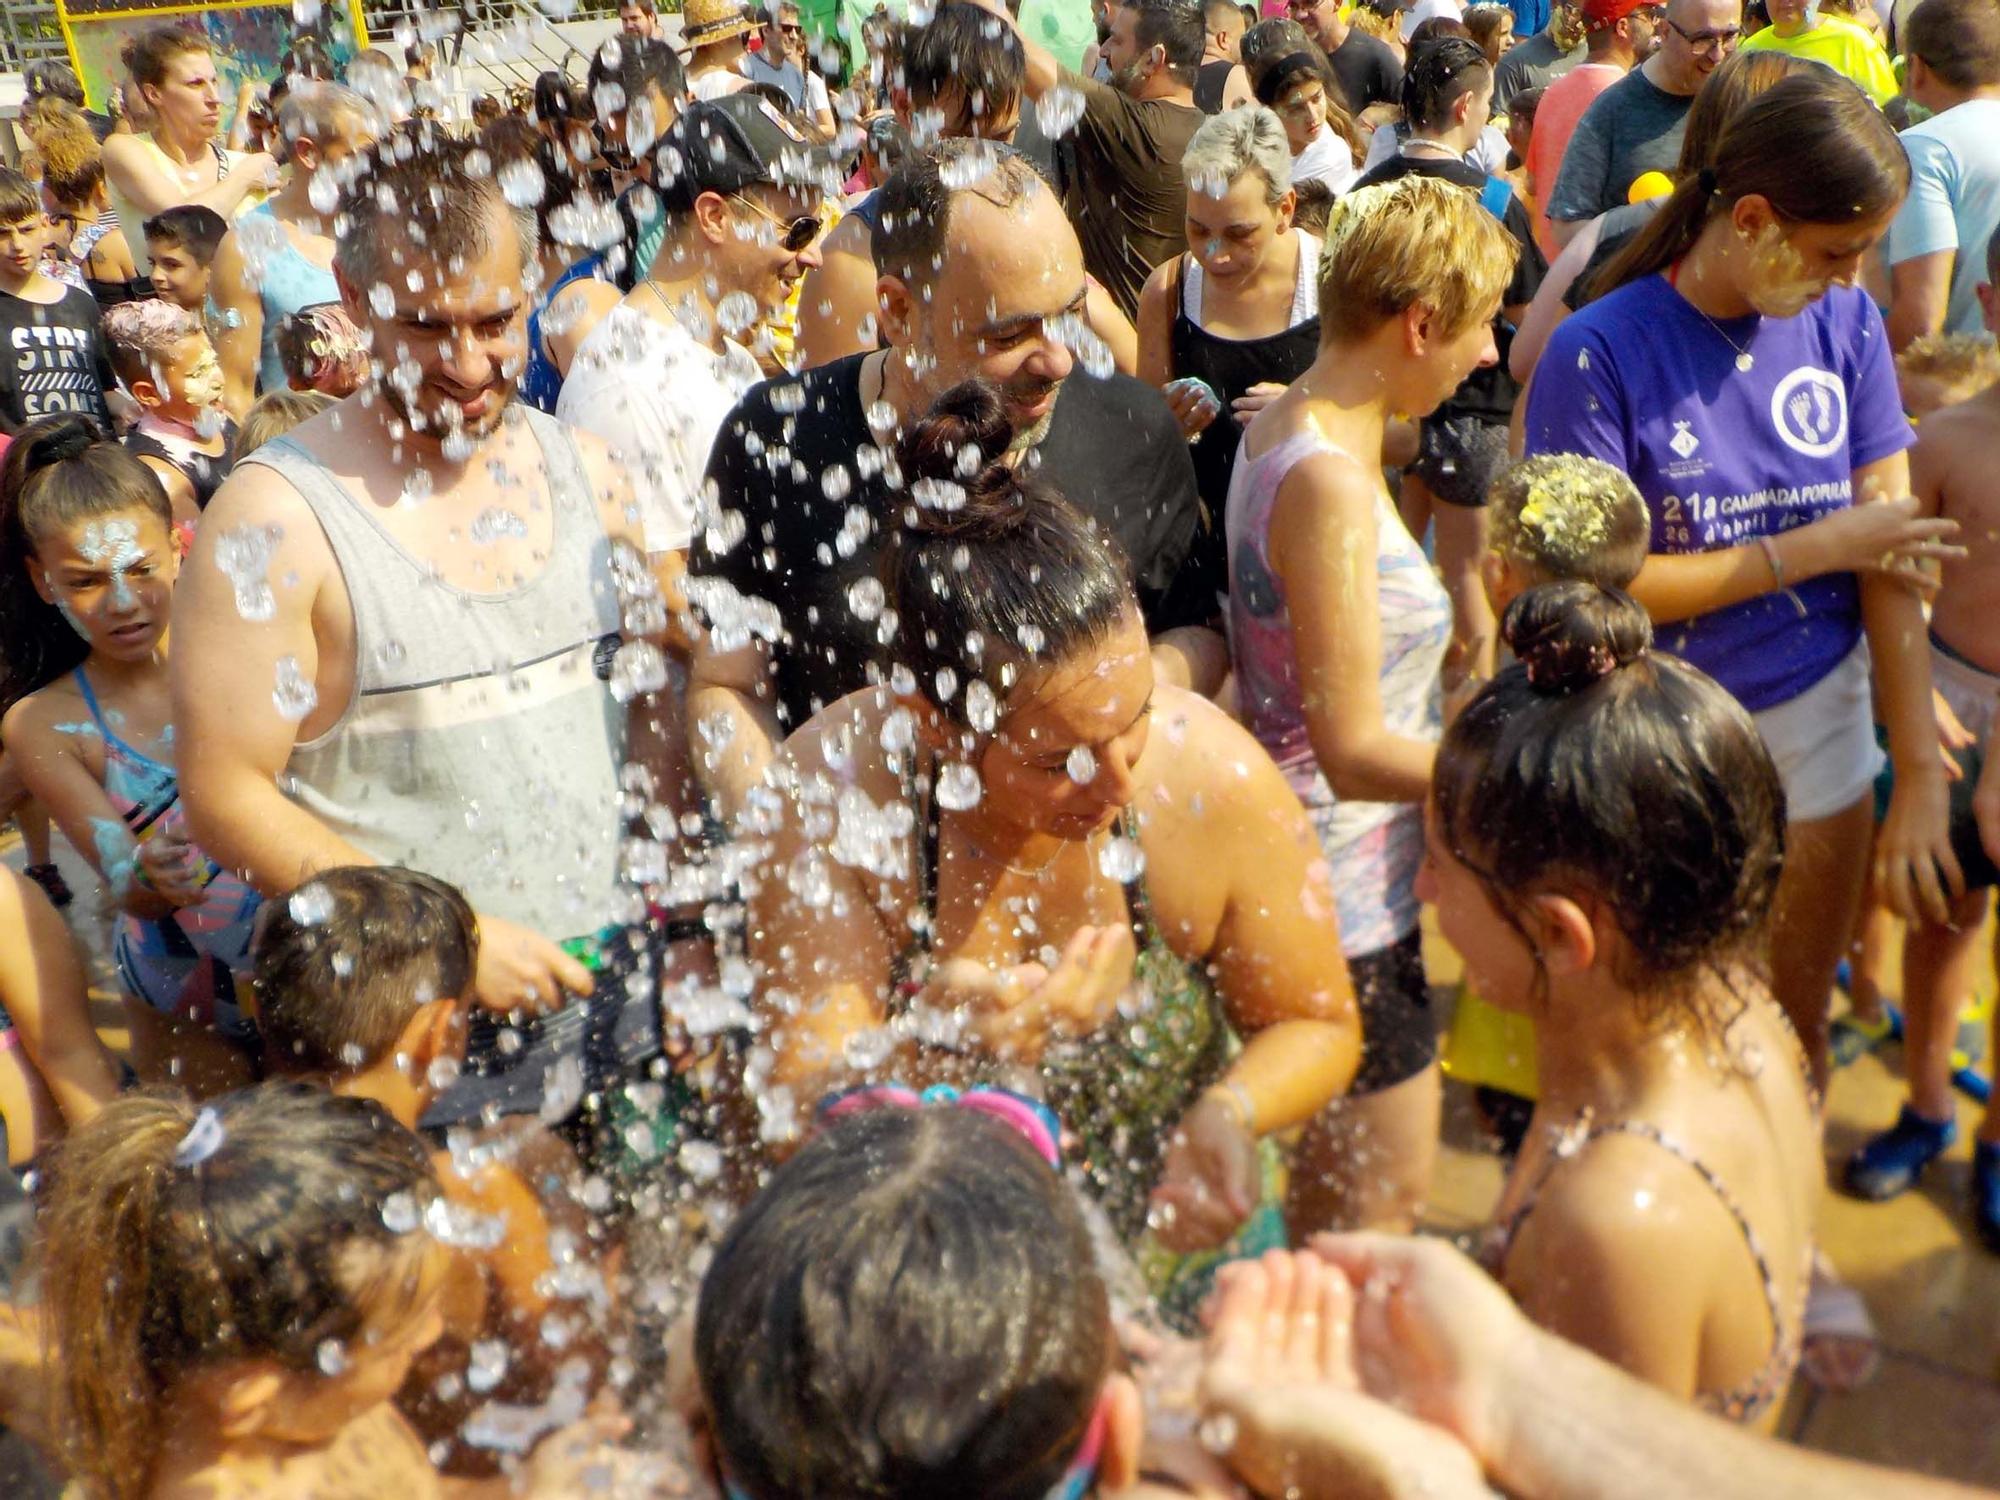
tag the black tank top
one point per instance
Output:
(1209, 82)
(1230, 367)
(204, 472)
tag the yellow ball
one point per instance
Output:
(1648, 185)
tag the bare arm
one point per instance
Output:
(1108, 321)
(1323, 543)
(837, 307)
(1919, 293)
(732, 721)
(129, 165)
(42, 983)
(239, 338)
(1547, 311)
(1156, 324)
(1043, 72)
(578, 308)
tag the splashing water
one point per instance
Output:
(311, 904)
(1059, 110)
(244, 553)
(1121, 859)
(294, 696)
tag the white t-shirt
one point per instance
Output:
(658, 396)
(1326, 159)
(786, 77)
(716, 83)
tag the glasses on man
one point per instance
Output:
(792, 30)
(795, 234)
(1724, 40)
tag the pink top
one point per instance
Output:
(1563, 104)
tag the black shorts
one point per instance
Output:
(1399, 1037)
(1458, 457)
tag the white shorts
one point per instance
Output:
(1824, 741)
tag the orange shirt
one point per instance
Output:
(1563, 104)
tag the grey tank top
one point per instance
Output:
(480, 745)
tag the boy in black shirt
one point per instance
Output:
(52, 355)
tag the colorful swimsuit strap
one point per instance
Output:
(111, 739)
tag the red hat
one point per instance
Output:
(1598, 14)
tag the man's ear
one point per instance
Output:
(896, 309)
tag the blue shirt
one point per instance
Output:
(1722, 455)
(1530, 16)
(1954, 201)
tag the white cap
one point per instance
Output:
(1425, 10)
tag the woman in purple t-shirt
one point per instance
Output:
(1747, 387)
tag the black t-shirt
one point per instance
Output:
(52, 359)
(1209, 82)
(796, 466)
(1366, 70)
(1487, 394)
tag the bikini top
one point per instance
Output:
(1749, 1399)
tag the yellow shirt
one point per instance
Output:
(1843, 47)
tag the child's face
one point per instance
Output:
(1520, 130)
(21, 243)
(190, 380)
(112, 577)
(177, 275)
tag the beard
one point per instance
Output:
(443, 426)
(1130, 76)
(1031, 436)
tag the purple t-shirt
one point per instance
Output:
(1643, 381)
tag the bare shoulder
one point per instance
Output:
(1955, 445)
(1202, 771)
(33, 719)
(850, 237)
(844, 740)
(1617, 1212)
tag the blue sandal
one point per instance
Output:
(1986, 1192)
(1891, 1163)
(1850, 1037)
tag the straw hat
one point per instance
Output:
(706, 21)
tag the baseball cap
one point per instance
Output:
(738, 141)
(1429, 10)
(1598, 14)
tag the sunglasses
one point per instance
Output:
(798, 233)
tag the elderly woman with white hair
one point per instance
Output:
(1226, 327)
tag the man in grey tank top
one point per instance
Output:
(392, 642)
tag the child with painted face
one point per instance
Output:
(87, 567)
(184, 436)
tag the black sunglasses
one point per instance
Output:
(798, 233)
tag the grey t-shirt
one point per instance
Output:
(1632, 127)
(1533, 64)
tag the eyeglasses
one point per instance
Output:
(798, 233)
(1709, 41)
(792, 30)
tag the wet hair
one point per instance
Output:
(1227, 145)
(992, 571)
(143, 337)
(345, 962)
(377, 76)
(558, 98)
(148, 55)
(1812, 144)
(18, 198)
(1959, 40)
(910, 1308)
(1314, 206)
(964, 49)
(59, 472)
(439, 194)
(72, 162)
(1416, 240)
(52, 79)
(636, 68)
(1175, 26)
(1439, 74)
(320, 349)
(190, 227)
(1589, 736)
(176, 1238)
(318, 112)
(1964, 363)
(914, 211)
(274, 414)
(1275, 38)
(1559, 517)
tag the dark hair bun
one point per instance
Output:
(1570, 635)
(55, 440)
(955, 469)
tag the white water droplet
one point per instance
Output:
(982, 709)
(521, 183)
(1122, 860)
(293, 696)
(1082, 765)
(736, 312)
(400, 1213)
(958, 788)
(331, 1356)
(244, 553)
(1058, 111)
(866, 597)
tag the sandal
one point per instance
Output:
(50, 879)
(1840, 1352)
(1892, 1163)
(1850, 1037)
(1986, 1192)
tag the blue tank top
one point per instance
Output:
(288, 283)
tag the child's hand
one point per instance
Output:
(1210, 1180)
(522, 970)
(1952, 736)
(170, 868)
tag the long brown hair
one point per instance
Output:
(1813, 145)
(258, 1227)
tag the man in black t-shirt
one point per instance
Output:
(981, 276)
(1369, 76)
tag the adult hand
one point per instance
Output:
(1209, 1184)
(169, 867)
(1915, 869)
(1254, 400)
(1433, 1334)
(1013, 1012)
(1883, 536)
(522, 970)
(260, 166)
(1193, 404)
(1279, 1384)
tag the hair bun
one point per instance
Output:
(955, 469)
(55, 440)
(1568, 636)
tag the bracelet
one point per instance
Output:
(1246, 1108)
(1777, 563)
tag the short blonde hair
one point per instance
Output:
(1965, 363)
(1417, 240)
(275, 414)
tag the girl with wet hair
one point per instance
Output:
(1661, 1210)
(87, 570)
(1022, 858)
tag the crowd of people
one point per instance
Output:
(763, 736)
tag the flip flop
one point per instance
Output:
(1840, 1351)
(1850, 1037)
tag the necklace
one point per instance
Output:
(1034, 873)
(1745, 360)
